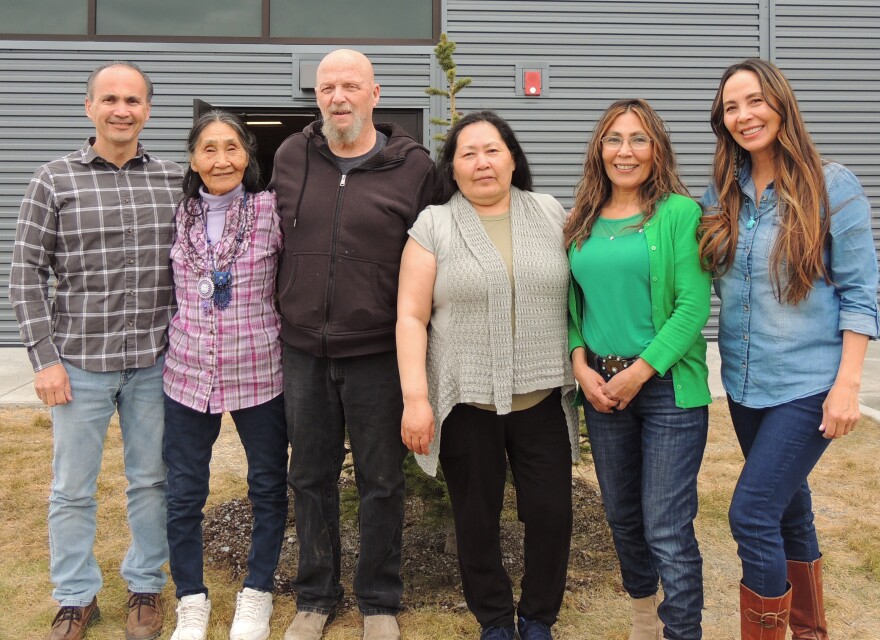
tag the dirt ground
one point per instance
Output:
(845, 485)
(430, 574)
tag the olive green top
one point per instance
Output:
(498, 230)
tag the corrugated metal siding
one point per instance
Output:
(669, 53)
(831, 54)
(42, 89)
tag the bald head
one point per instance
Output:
(347, 59)
(347, 93)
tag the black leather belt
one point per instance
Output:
(609, 365)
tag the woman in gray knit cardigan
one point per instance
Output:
(483, 352)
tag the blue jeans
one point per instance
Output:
(324, 397)
(79, 430)
(771, 514)
(647, 457)
(189, 438)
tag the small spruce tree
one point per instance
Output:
(443, 53)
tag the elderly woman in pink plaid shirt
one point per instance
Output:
(224, 355)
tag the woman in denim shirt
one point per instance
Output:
(798, 289)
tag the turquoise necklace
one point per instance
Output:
(752, 221)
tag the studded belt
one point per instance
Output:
(609, 365)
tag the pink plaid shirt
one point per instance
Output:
(227, 359)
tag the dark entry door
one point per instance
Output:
(272, 125)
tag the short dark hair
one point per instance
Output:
(251, 180)
(522, 175)
(90, 83)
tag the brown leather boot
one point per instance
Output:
(145, 616)
(763, 618)
(70, 622)
(807, 619)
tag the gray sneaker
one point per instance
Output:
(381, 627)
(307, 625)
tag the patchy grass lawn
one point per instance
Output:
(845, 486)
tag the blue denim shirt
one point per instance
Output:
(772, 352)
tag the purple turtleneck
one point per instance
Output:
(217, 207)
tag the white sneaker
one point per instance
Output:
(192, 617)
(252, 612)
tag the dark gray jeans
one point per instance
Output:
(323, 398)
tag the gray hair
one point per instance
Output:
(90, 83)
(251, 179)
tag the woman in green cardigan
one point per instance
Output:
(637, 303)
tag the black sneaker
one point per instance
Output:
(499, 633)
(533, 630)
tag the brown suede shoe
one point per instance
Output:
(70, 622)
(145, 616)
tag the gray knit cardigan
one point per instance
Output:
(478, 357)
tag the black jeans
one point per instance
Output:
(472, 451)
(324, 397)
(189, 438)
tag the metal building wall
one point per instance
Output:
(669, 53)
(831, 54)
(672, 54)
(42, 116)
(592, 52)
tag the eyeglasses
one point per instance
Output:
(636, 142)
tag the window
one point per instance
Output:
(245, 21)
(385, 20)
(51, 17)
(215, 19)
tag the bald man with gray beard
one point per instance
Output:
(348, 191)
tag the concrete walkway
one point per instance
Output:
(17, 378)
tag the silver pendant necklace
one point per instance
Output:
(205, 287)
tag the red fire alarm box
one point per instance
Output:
(532, 83)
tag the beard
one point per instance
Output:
(342, 137)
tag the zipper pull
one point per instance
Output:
(342, 181)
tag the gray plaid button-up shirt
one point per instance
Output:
(105, 233)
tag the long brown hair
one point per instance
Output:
(594, 188)
(799, 182)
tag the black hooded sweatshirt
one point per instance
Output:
(343, 237)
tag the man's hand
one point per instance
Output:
(52, 385)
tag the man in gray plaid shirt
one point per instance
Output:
(100, 220)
